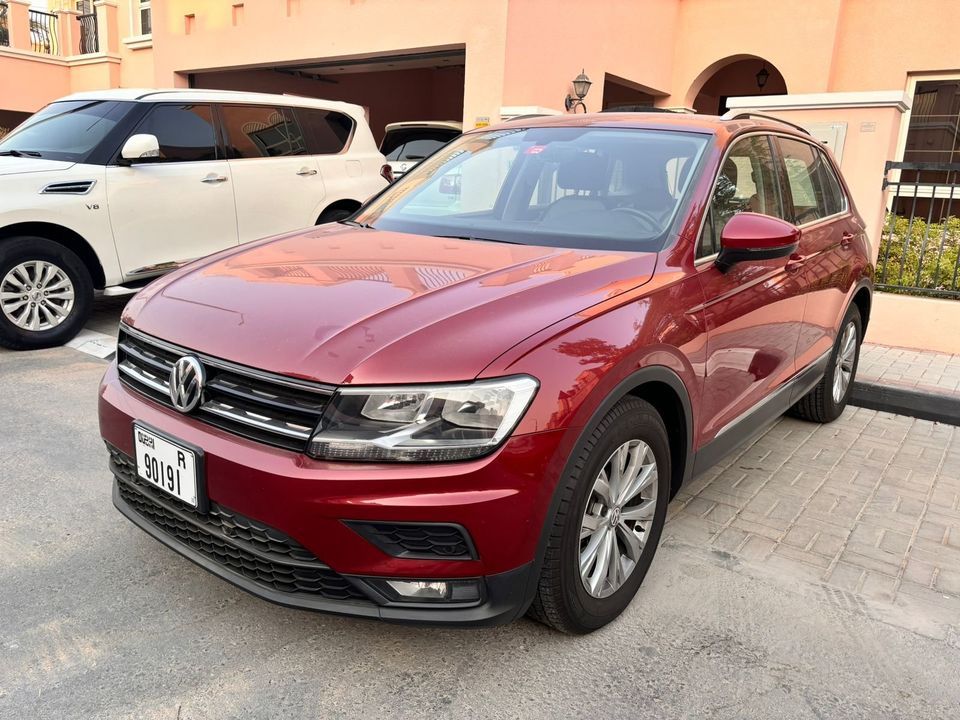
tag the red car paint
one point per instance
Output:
(582, 322)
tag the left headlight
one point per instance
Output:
(429, 423)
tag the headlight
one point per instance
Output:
(421, 424)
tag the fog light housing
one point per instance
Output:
(429, 591)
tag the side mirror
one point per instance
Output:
(140, 148)
(751, 236)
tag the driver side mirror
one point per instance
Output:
(140, 148)
(751, 236)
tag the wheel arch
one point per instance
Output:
(344, 204)
(64, 236)
(863, 299)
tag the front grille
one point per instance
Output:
(248, 548)
(433, 541)
(262, 406)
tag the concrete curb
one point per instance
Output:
(915, 403)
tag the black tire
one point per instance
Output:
(819, 405)
(334, 214)
(562, 601)
(17, 250)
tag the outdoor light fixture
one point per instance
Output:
(762, 76)
(581, 86)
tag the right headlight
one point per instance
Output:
(427, 423)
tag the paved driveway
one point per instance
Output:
(816, 575)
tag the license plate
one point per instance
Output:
(166, 465)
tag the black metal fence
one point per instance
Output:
(920, 248)
(89, 42)
(4, 27)
(43, 33)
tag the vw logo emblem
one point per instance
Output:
(186, 383)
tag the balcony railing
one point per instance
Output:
(89, 42)
(4, 27)
(43, 33)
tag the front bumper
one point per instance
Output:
(500, 501)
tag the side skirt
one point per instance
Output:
(755, 421)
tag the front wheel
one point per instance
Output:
(46, 293)
(609, 522)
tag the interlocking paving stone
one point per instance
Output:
(867, 505)
(922, 370)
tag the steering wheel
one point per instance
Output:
(652, 225)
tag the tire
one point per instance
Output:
(821, 404)
(333, 215)
(563, 600)
(58, 316)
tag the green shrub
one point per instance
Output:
(903, 253)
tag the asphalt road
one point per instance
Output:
(97, 620)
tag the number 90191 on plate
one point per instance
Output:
(166, 465)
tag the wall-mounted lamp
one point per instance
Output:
(581, 86)
(763, 76)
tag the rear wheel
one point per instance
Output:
(46, 293)
(609, 522)
(827, 401)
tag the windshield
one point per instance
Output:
(66, 130)
(599, 188)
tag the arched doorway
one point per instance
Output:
(734, 76)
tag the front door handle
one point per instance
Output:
(306, 171)
(794, 262)
(213, 178)
(846, 240)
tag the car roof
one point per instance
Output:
(426, 124)
(726, 125)
(148, 95)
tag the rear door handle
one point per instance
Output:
(846, 240)
(306, 171)
(212, 178)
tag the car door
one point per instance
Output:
(277, 184)
(754, 310)
(817, 204)
(177, 207)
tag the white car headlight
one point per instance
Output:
(429, 423)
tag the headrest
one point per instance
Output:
(584, 171)
(730, 170)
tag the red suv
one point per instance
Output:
(476, 397)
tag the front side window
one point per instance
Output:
(66, 130)
(257, 131)
(747, 182)
(185, 132)
(603, 188)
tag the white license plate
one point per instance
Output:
(166, 465)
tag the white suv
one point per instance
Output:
(105, 191)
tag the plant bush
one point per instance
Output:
(931, 249)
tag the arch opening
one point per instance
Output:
(734, 76)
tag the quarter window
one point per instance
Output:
(327, 132)
(747, 182)
(185, 132)
(258, 131)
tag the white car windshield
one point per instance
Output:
(615, 188)
(65, 130)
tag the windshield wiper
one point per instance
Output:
(354, 223)
(20, 153)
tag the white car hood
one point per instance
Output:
(10, 165)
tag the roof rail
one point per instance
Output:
(748, 115)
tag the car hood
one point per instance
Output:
(10, 165)
(350, 305)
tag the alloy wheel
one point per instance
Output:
(36, 295)
(843, 373)
(618, 518)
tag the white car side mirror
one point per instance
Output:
(138, 148)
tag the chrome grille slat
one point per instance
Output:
(272, 409)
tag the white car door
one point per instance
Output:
(277, 185)
(178, 207)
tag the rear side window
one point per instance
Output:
(747, 182)
(327, 132)
(259, 131)
(414, 144)
(814, 189)
(185, 132)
